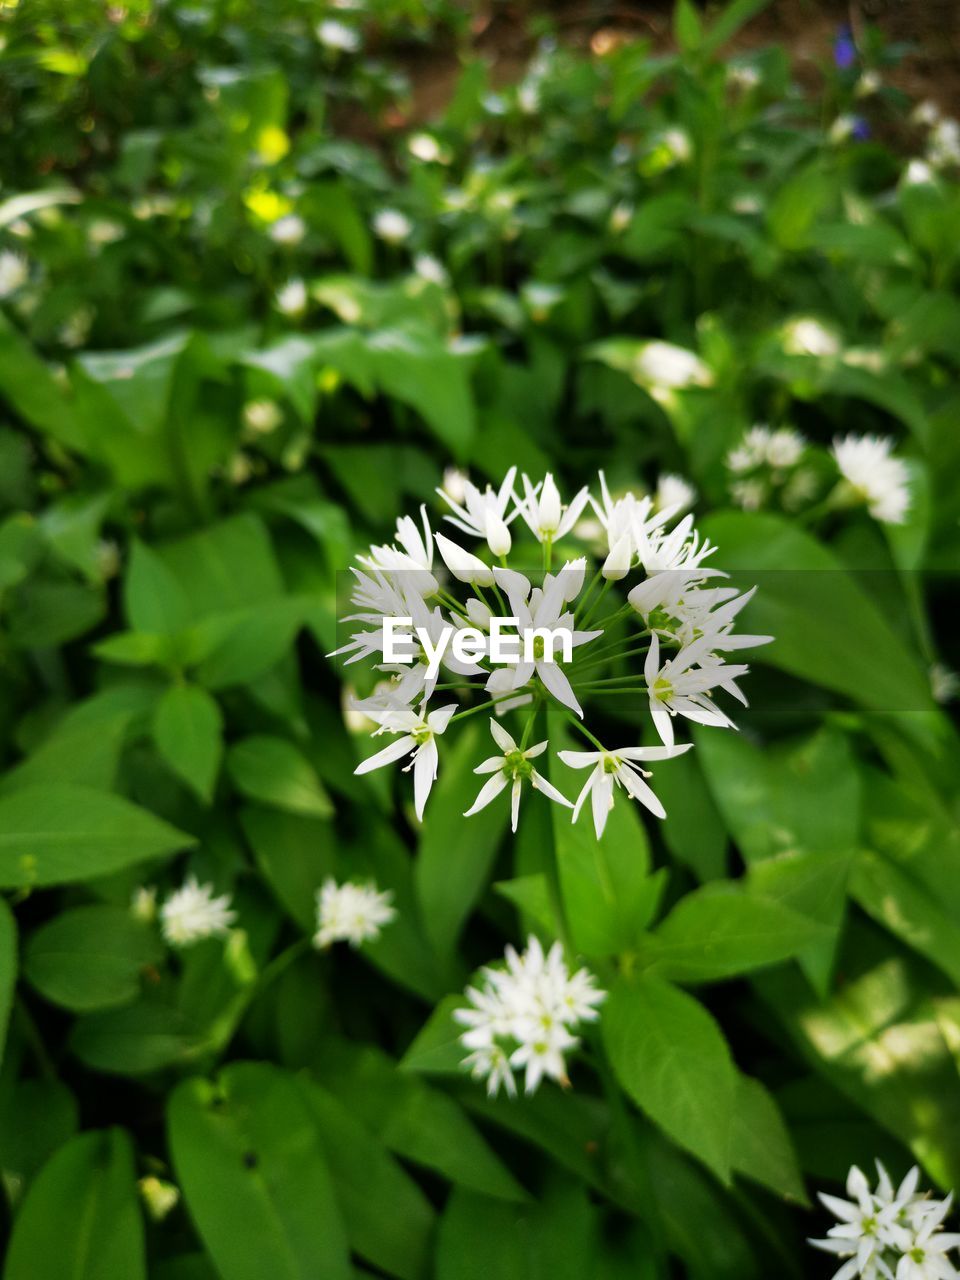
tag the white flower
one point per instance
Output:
(615, 516)
(925, 113)
(785, 448)
(749, 494)
(103, 231)
(262, 416)
(288, 230)
(512, 769)
(806, 336)
(742, 76)
(14, 272)
(484, 515)
(425, 147)
(918, 174)
(350, 912)
(464, 566)
(193, 913)
(677, 144)
(944, 683)
(418, 740)
(674, 493)
(868, 84)
(889, 1234)
(523, 1018)
(337, 35)
(681, 687)
(76, 328)
(392, 226)
(875, 476)
(159, 1197)
(663, 365)
(543, 607)
(543, 511)
(617, 768)
(943, 145)
(143, 903)
(842, 128)
(292, 298)
(432, 269)
(415, 553)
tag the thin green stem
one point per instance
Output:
(482, 706)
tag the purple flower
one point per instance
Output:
(861, 129)
(844, 49)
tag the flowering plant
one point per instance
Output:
(662, 640)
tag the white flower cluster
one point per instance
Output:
(523, 1018)
(875, 476)
(661, 641)
(770, 464)
(349, 912)
(766, 464)
(889, 1233)
(193, 913)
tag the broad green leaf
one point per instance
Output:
(826, 629)
(274, 772)
(761, 1148)
(36, 1117)
(413, 1119)
(416, 368)
(153, 599)
(687, 27)
(609, 897)
(84, 746)
(188, 732)
(90, 957)
(255, 1177)
(878, 1039)
(295, 854)
(672, 1059)
(8, 968)
(137, 1039)
(454, 856)
(81, 1220)
(437, 1048)
(693, 829)
(908, 909)
(729, 21)
(557, 1237)
(28, 386)
(388, 1219)
(720, 931)
(57, 833)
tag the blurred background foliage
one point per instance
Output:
(255, 299)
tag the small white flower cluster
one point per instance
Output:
(771, 464)
(193, 913)
(676, 615)
(14, 273)
(523, 1018)
(766, 464)
(875, 476)
(349, 912)
(889, 1233)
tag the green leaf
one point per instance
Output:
(687, 27)
(761, 1148)
(91, 957)
(136, 1039)
(8, 968)
(36, 1117)
(726, 25)
(28, 385)
(413, 1119)
(57, 834)
(437, 1048)
(720, 931)
(608, 895)
(81, 1220)
(153, 600)
(388, 1219)
(826, 629)
(254, 1174)
(188, 732)
(452, 871)
(415, 367)
(274, 772)
(671, 1058)
(557, 1237)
